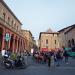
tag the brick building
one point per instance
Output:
(67, 36)
(10, 27)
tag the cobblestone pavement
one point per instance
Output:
(42, 69)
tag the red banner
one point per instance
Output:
(44, 49)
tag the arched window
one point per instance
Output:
(69, 43)
(72, 41)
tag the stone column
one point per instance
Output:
(3, 39)
(13, 44)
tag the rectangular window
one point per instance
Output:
(17, 27)
(4, 16)
(12, 22)
(55, 41)
(46, 41)
(8, 20)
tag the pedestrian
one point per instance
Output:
(3, 52)
(66, 55)
(49, 59)
(52, 60)
(58, 58)
(45, 57)
(9, 51)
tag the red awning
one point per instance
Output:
(44, 49)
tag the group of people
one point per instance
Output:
(51, 57)
(13, 59)
(6, 52)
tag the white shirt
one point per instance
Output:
(3, 52)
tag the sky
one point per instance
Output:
(40, 15)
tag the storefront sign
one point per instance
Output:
(7, 37)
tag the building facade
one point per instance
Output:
(48, 40)
(29, 41)
(63, 38)
(10, 30)
(67, 37)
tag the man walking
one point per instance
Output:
(49, 59)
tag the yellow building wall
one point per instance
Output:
(51, 41)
